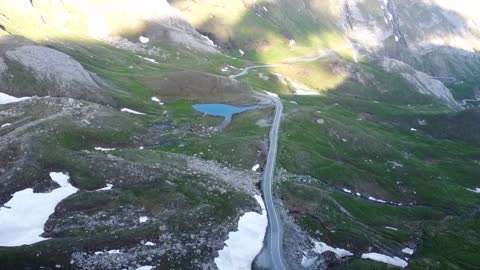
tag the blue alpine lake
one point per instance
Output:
(222, 110)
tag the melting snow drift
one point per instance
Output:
(146, 267)
(104, 149)
(108, 187)
(476, 190)
(396, 261)
(408, 251)
(143, 39)
(243, 245)
(155, 99)
(321, 247)
(131, 111)
(5, 99)
(23, 217)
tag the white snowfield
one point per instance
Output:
(321, 247)
(5, 99)
(396, 261)
(243, 245)
(131, 111)
(23, 217)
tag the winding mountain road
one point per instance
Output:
(274, 237)
(275, 230)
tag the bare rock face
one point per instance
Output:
(27, 69)
(439, 37)
(423, 82)
(48, 64)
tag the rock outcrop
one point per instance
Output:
(29, 69)
(439, 37)
(421, 81)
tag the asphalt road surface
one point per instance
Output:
(275, 230)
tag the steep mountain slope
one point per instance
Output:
(102, 20)
(379, 153)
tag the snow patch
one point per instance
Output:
(23, 217)
(305, 92)
(131, 111)
(396, 39)
(150, 244)
(5, 125)
(271, 94)
(391, 228)
(390, 16)
(376, 200)
(143, 39)
(396, 261)
(255, 168)
(143, 219)
(146, 267)
(243, 245)
(209, 41)
(241, 52)
(155, 99)
(408, 251)
(104, 149)
(321, 247)
(149, 59)
(347, 190)
(114, 251)
(476, 190)
(5, 99)
(108, 187)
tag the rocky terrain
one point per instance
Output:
(29, 69)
